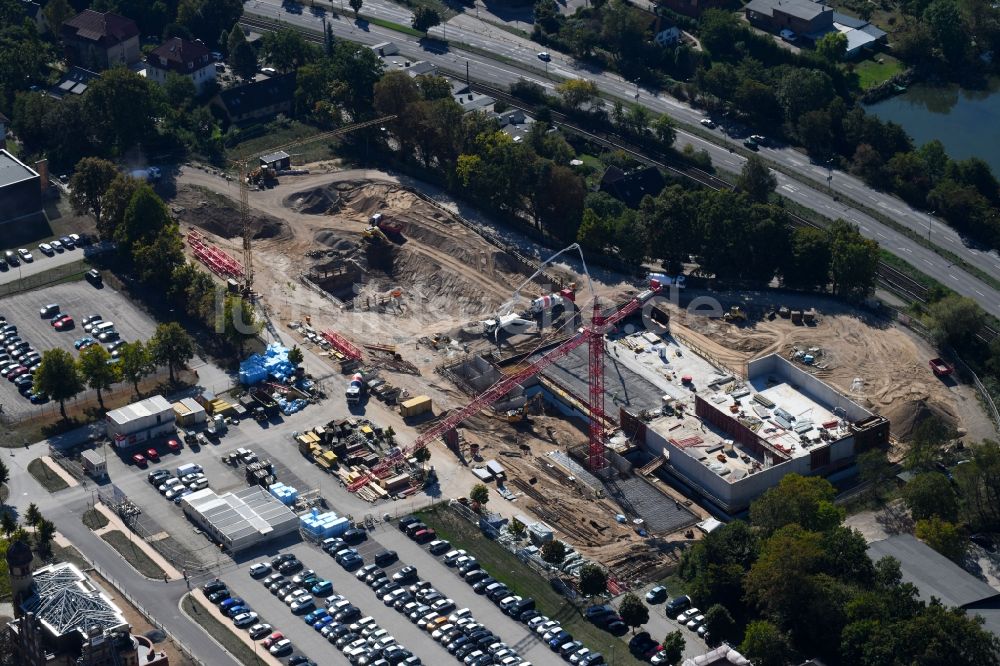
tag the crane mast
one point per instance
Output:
(594, 335)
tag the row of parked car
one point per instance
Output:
(521, 609)
(18, 361)
(244, 617)
(12, 258)
(361, 639)
(190, 477)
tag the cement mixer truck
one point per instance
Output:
(554, 303)
(355, 389)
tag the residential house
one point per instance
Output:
(188, 59)
(99, 41)
(258, 100)
(631, 187)
(33, 11)
(799, 16)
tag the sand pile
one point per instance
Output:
(318, 201)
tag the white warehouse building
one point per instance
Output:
(140, 422)
(240, 520)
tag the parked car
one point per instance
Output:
(25, 255)
(260, 569)
(657, 595)
(259, 630)
(94, 277)
(49, 310)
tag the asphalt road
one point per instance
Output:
(516, 58)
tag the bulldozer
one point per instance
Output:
(735, 315)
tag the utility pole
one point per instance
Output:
(467, 83)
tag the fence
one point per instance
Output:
(139, 607)
(991, 405)
(64, 273)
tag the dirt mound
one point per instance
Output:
(335, 240)
(908, 411)
(224, 221)
(318, 201)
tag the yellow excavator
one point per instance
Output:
(735, 315)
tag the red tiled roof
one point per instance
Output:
(180, 55)
(107, 29)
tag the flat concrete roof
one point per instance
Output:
(13, 170)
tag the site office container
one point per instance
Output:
(415, 406)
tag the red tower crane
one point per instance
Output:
(594, 334)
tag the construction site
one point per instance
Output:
(620, 427)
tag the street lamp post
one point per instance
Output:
(829, 174)
(930, 219)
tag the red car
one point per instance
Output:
(139, 460)
(273, 638)
(173, 445)
(17, 372)
(64, 323)
(153, 455)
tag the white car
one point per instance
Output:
(687, 615)
(282, 646)
(544, 56)
(695, 622)
(302, 602)
(57, 246)
(578, 655)
(788, 36)
(260, 630)
(708, 122)
(25, 255)
(441, 631)
(170, 483)
(293, 595)
(260, 569)
(245, 619)
(459, 614)
(535, 622)
(46, 249)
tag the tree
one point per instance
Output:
(593, 580)
(422, 455)
(239, 322)
(479, 494)
(56, 13)
(719, 622)
(7, 523)
(516, 527)
(89, 185)
(356, 6)
(32, 515)
(180, 91)
(96, 369)
(955, 320)
(286, 49)
(433, 87)
(295, 356)
(576, 93)
(206, 19)
(4, 473)
(58, 377)
(765, 645)
(945, 21)
(242, 58)
(809, 266)
(926, 442)
(633, 611)
(425, 18)
(135, 363)
(832, 46)
(44, 532)
(554, 551)
(945, 537)
(673, 647)
(930, 494)
(854, 261)
(756, 179)
(116, 201)
(120, 109)
(804, 500)
(172, 346)
(665, 130)
(874, 469)
(623, 32)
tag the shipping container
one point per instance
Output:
(415, 406)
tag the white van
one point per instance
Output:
(102, 327)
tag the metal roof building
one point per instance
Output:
(934, 575)
(240, 520)
(67, 601)
(140, 421)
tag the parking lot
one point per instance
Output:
(309, 642)
(78, 299)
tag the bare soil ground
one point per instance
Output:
(882, 367)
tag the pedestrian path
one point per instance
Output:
(115, 523)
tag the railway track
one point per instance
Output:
(889, 277)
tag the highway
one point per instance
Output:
(515, 58)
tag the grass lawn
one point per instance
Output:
(444, 10)
(871, 73)
(133, 554)
(278, 134)
(94, 519)
(220, 632)
(506, 568)
(51, 481)
(398, 27)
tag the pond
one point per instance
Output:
(966, 121)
